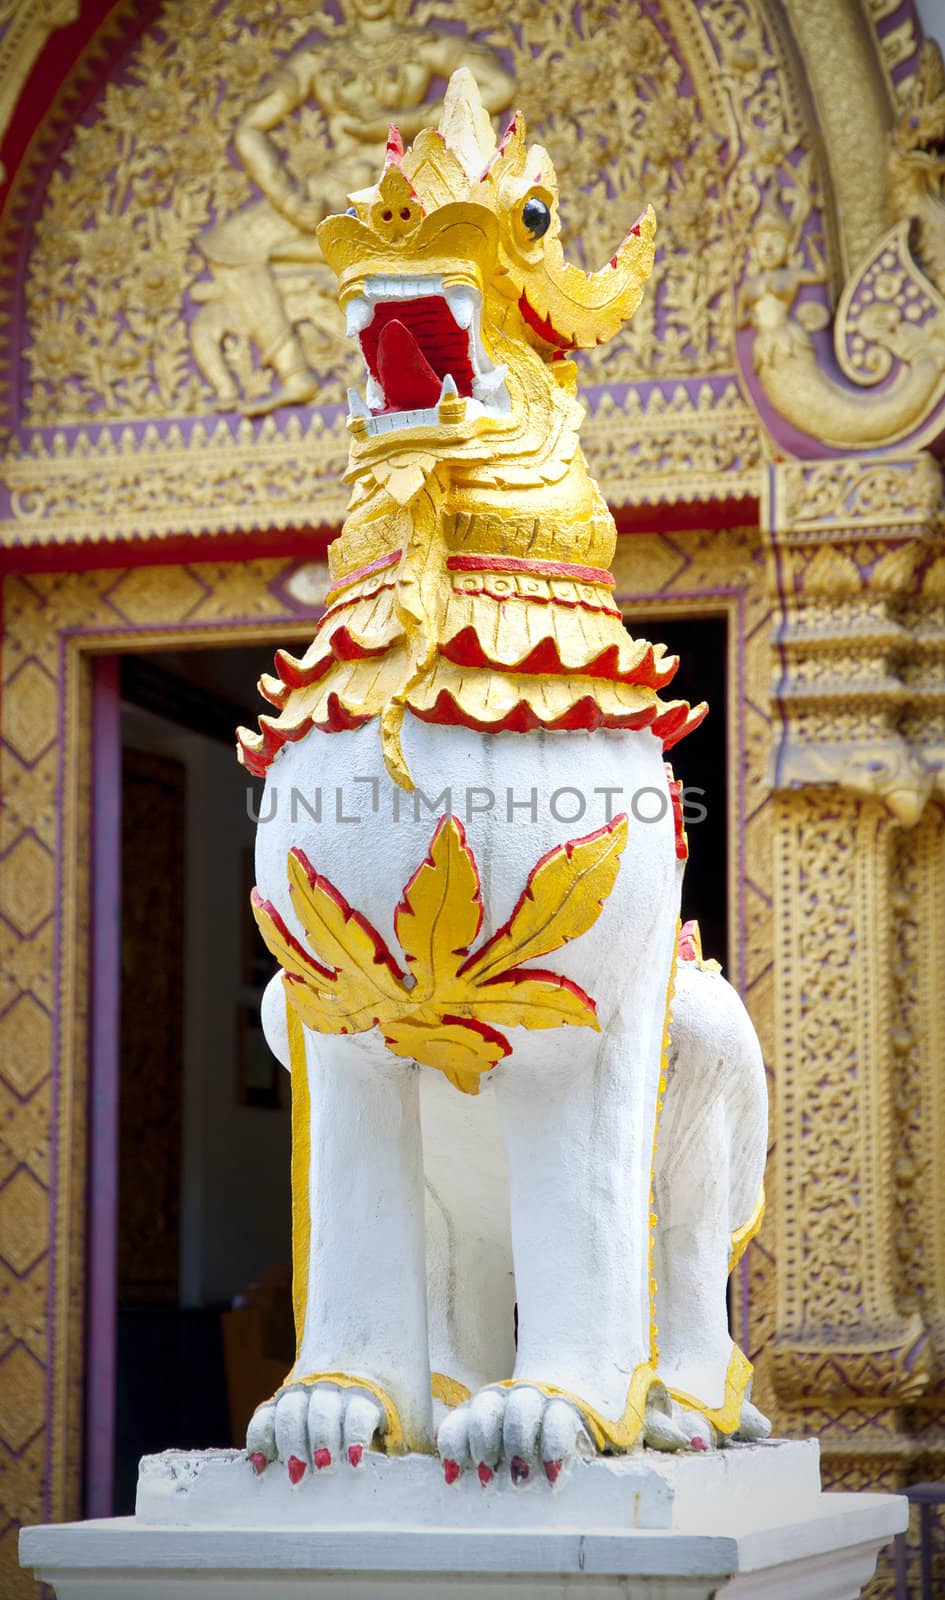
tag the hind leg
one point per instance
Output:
(711, 1148)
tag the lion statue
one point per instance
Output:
(511, 1242)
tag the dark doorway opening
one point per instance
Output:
(203, 1209)
(701, 762)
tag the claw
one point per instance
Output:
(322, 1458)
(355, 1452)
(695, 1443)
(451, 1471)
(552, 1469)
(296, 1469)
(519, 1469)
(486, 1474)
(259, 1462)
(754, 1424)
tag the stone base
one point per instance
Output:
(746, 1523)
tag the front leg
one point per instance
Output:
(359, 1289)
(579, 1126)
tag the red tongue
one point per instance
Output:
(408, 380)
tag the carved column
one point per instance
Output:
(859, 697)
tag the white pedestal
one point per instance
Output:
(746, 1523)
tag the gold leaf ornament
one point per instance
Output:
(447, 1017)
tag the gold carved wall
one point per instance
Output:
(161, 293)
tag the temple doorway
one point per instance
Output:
(203, 1114)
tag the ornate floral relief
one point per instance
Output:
(841, 1329)
(775, 158)
(918, 974)
(853, 495)
(912, 1159)
(854, 540)
(774, 197)
(645, 449)
(888, 313)
(443, 1016)
(25, 25)
(218, 476)
(890, 324)
(212, 478)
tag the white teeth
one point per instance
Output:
(392, 421)
(356, 406)
(462, 302)
(449, 390)
(380, 286)
(358, 313)
(374, 394)
(489, 384)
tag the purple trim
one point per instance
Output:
(739, 829)
(104, 1011)
(56, 1096)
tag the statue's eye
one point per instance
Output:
(352, 211)
(536, 217)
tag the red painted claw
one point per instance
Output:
(322, 1458)
(486, 1474)
(259, 1462)
(552, 1469)
(296, 1469)
(518, 1469)
(698, 1444)
(451, 1471)
(355, 1452)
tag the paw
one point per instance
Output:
(517, 1431)
(753, 1426)
(671, 1427)
(314, 1428)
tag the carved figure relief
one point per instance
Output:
(769, 292)
(889, 322)
(915, 163)
(889, 326)
(373, 70)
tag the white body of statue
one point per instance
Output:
(510, 1246)
(435, 1214)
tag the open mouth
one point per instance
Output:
(423, 350)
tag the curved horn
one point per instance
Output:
(577, 310)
